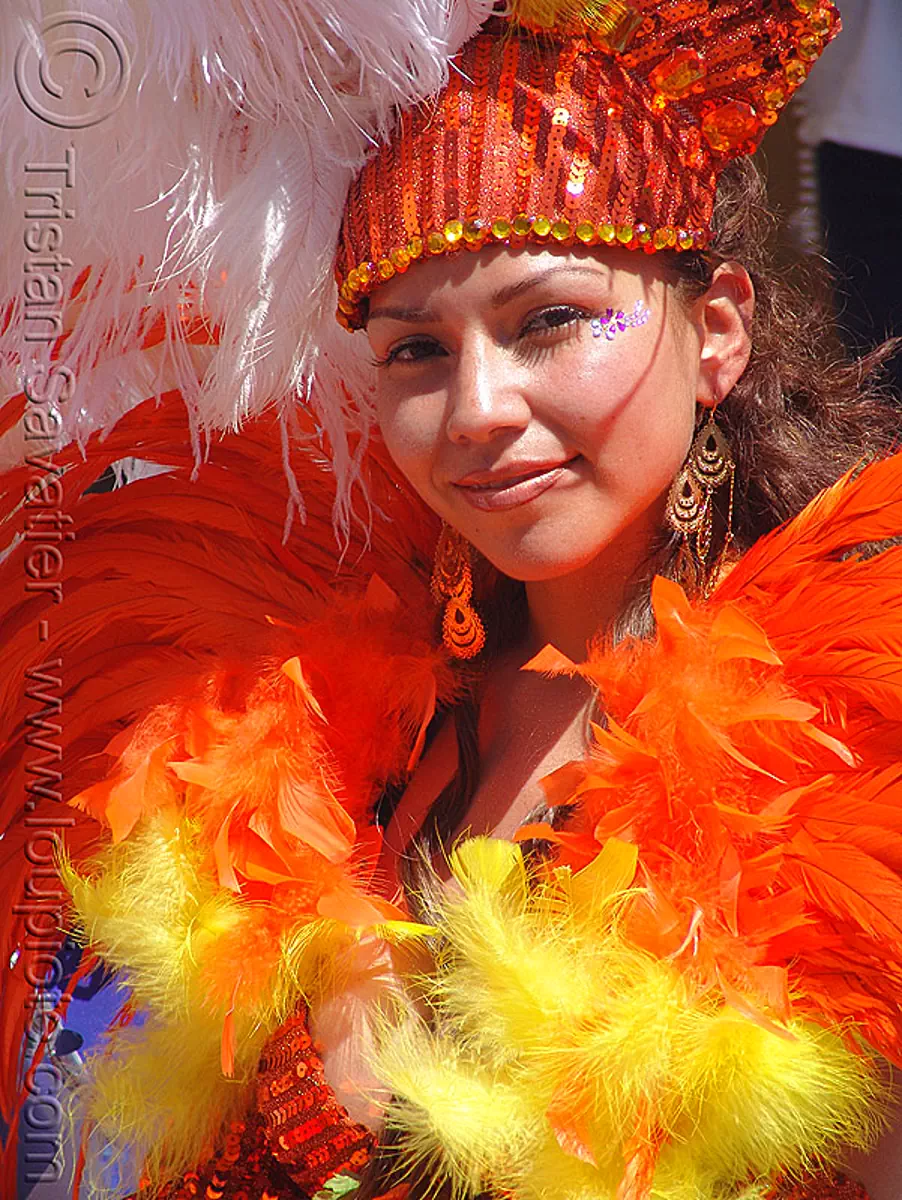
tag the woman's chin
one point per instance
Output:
(536, 564)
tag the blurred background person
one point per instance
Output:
(852, 119)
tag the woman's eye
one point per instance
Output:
(414, 350)
(550, 320)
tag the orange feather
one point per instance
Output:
(752, 754)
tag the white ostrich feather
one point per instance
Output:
(219, 179)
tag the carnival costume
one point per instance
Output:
(687, 999)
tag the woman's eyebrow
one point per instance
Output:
(498, 300)
(396, 313)
(506, 294)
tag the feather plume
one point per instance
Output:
(562, 1043)
(156, 620)
(228, 207)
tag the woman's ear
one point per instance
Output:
(723, 321)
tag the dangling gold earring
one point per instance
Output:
(690, 507)
(452, 585)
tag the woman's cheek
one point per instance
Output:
(407, 434)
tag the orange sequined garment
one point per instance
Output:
(822, 1187)
(296, 1139)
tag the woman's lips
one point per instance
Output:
(510, 491)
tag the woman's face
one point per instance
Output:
(542, 434)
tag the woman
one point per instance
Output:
(585, 415)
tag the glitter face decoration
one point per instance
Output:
(613, 323)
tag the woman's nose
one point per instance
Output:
(485, 396)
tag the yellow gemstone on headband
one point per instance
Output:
(774, 97)
(674, 77)
(560, 231)
(541, 227)
(660, 239)
(386, 269)
(585, 231)
(522, 225)
(607, 232)
(643, 233)
(821, 21)
(474, 231)
(806, 6)
(454, 231)
(501, 229)
(401, 259)
(810, 46)
(415, 247)
(624, 233)
(796, 72)
(684, 239)
(435, 242)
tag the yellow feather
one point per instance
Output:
(153, 904)
(462, 1124)
(603, 17)
(555, 1024)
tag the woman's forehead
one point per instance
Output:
(499, 273)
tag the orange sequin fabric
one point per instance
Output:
(822, 1187)
(309, 1132)
(610, 136)
(297, 1138)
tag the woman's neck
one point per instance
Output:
(568, 611)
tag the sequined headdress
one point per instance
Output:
(602, 122)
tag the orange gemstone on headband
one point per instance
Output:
(806, 6)
(810, 46)
(821, 21)
(728, 127)
(674, 77)
(796, 72)
(774, 97)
